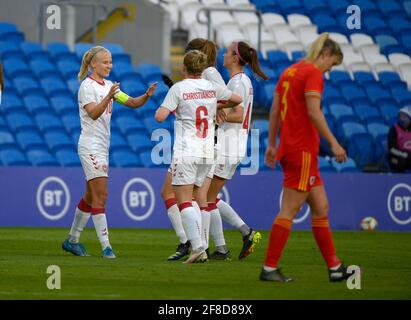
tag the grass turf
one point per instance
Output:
(142, 271)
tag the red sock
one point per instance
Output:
(324, 239)
(280, 231)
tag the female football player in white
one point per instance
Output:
(95, 99)
(194, 102)
(232, 138)
(211, 74)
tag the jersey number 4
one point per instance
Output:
(286, 85)
(202, 122)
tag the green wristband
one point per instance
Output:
(121, 97)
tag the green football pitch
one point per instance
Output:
(142, 271)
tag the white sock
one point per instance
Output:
(175, 217)
(100, 223)
(192, 227)
(229, 215)
(269, 268)
(80, 221)
(216, 226)
(197, 208)
(205, 227)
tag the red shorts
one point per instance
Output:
(301, 171)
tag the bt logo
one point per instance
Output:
(138, 199)
(399, 203)
(53, 198)
(224, 195)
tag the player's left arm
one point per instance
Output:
(136, 102)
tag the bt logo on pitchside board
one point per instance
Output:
(53, 198)
(138, 199)
(399, 203)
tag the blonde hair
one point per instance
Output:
(206, 46)
(195, 62)
(87, 58)
(322, 45)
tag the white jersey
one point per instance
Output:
(211, 74)
(194, 102)
(95, 134)
(232, 137)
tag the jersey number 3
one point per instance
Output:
(201, 121)
(286, 85)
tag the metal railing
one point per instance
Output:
(93, 5)
(208, 10)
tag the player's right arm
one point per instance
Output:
(318, 120)
(95, 110)
(169, 104)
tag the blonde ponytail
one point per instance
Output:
(324, 44)
(87, 58)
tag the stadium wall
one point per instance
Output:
(47, 197)
(147, 39)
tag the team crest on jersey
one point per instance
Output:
(312, 180)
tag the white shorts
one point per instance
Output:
(94, 165)
(192, 171)
(225, 167)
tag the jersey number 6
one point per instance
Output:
(202, 121)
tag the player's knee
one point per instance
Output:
(101, 198)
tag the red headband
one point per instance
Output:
(238, 53)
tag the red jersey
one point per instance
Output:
(297, 132)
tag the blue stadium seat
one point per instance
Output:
(316, 6)
(133, 88)
(113, 47)
(376, 129)
(407, 7)
(389, 8)
(399, 25)
(161, 92)
(406, 42)
(81, 48)
(3, 123)
(7, 27)
(41, 158)
(58, 141)
(389, 113)
(339, 77)
(57, 48)
(363, 77)
(75, 135)
(6, 139)
(402, 97)
(391, 80)
(36, 104)
(34, 52)
(20, 121)
(326, 23)
(325, 165)
(121, 58)
(275, 57)
(16, 67)
(10, 50)
(376, 26)
(268, 94)
(378, 95)
(73, 85)
(27, 86)
(332, 94)
(71, 122)
(139, 142)
(341, 111)
(29, 140)
(64, 105)
(12, 36)
(44, 69)
(11, 103)
(68, 158)
(297, 55)
(366, 113)
(48, 122)
(352, 92)
(55, 87)
(128, 125)
(291, 6)
(117, 142)
(124, 159)
(151, 124)
(13, 157)
(347, 166)
(150, 72)
(68, 69)
(359, 143)
(381, 150)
